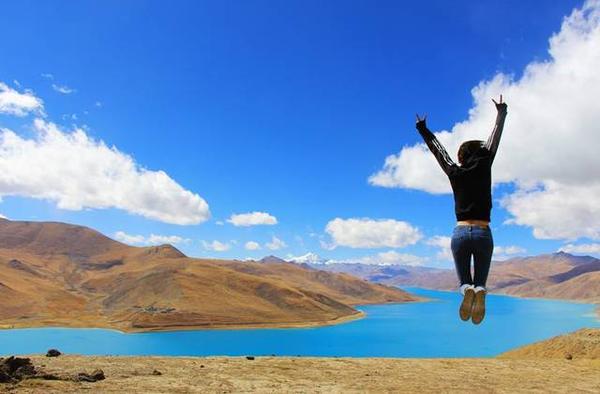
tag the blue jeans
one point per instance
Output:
(473, 241)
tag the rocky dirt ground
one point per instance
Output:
(320, 375)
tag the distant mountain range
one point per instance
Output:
(557, 275)
(56, 274)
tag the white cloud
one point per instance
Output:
(3, 217)
(216, 246)
(47, 76)
(63, 89)
(19, 104)
(167, 239)
(508, 250)
(78, 172)
(98, 104)
(252, 219)
(549, 147)
(251, 245)
(69, 117)
(559, 210)
(392, 257)
(129, 239)
(443, 243)
(593, 248)
(370, 233)
(153, 239)
(275, 244)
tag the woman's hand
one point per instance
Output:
(500, 106)
(421, 122)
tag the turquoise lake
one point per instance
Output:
(429, 329)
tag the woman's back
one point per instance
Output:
(472, 186)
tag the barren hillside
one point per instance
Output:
(65, 275)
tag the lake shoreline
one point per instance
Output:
(376, 330)
(219, 326)
(576, 301)
(250, 326)
(175, 328)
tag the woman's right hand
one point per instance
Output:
(500, 106)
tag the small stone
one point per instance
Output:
(201, 365)
(5, 378)
(53, 353)
(156, 372)
(49, 376)
(98, 374)
(84, 377)
(249, 357)
(569, 356)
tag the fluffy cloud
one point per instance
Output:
(216, 246)
(251, 245)
(18, 104)
(582, 248)
(371, 233)
(559, 210)
(508, 250)
(443, 244)
(252, 219)
(549, 146)
(153, 239)
(78, 172)
(63, 89)
(275, 244)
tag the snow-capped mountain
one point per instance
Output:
(308, 258)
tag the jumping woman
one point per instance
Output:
(471, 182)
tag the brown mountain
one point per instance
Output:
(558, 275)
(66, 275)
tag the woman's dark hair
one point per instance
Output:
(467, 149)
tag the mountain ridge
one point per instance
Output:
(56, 274)
(555, 275)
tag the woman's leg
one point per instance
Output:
(461, 251)
(483, 247)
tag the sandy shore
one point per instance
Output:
(179, 327)
(321, 375)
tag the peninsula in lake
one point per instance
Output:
(56, 274)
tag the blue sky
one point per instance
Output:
(285, 108)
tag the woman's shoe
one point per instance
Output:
(478, 305)
(467, 302)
